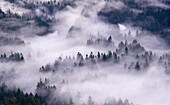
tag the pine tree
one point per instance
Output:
(104, 58)
(126, 51)
(98, 55)
(137, 66)
(90, 101)
(110, 39)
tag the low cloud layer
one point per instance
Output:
(73, 27)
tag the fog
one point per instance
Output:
(5, 6)
(106, 81)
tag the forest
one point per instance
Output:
(154, 19)
(84, 52)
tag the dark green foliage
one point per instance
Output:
(154, 19)
(123, 52)
(44, 89)
(14, 57)
(48, 91)
(132, 4)
(11, 22)
(11, 1)
(101, 41)
(52, 5)
(98, 55)
(116, 16)
(41, 22)
(137, 66)
(164, 61)
(118, 102)
(2, 14)
(17, 97)
(10, 41)
(126, 51)
(104, 58)
(110, 39)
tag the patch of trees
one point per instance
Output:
(2, 14)
(44, 89)
(166, 2)
(72, 31)
(52, 5)
(164, 60)
(18, 97)
(154, 19)
(116, 16)
(133, 55)
(132, 48)
(10, 21)
(151, 18)
(11, 41)
(101, 42)
(9, 14)
(44, 85)
(118, 102)
(41, 22)
(11, 1)
(47, 91)
(13, 57)
(135, 4)
(141, 62)
(44, 18)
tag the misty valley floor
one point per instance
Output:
(82, 52)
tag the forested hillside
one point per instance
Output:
(84, 52)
